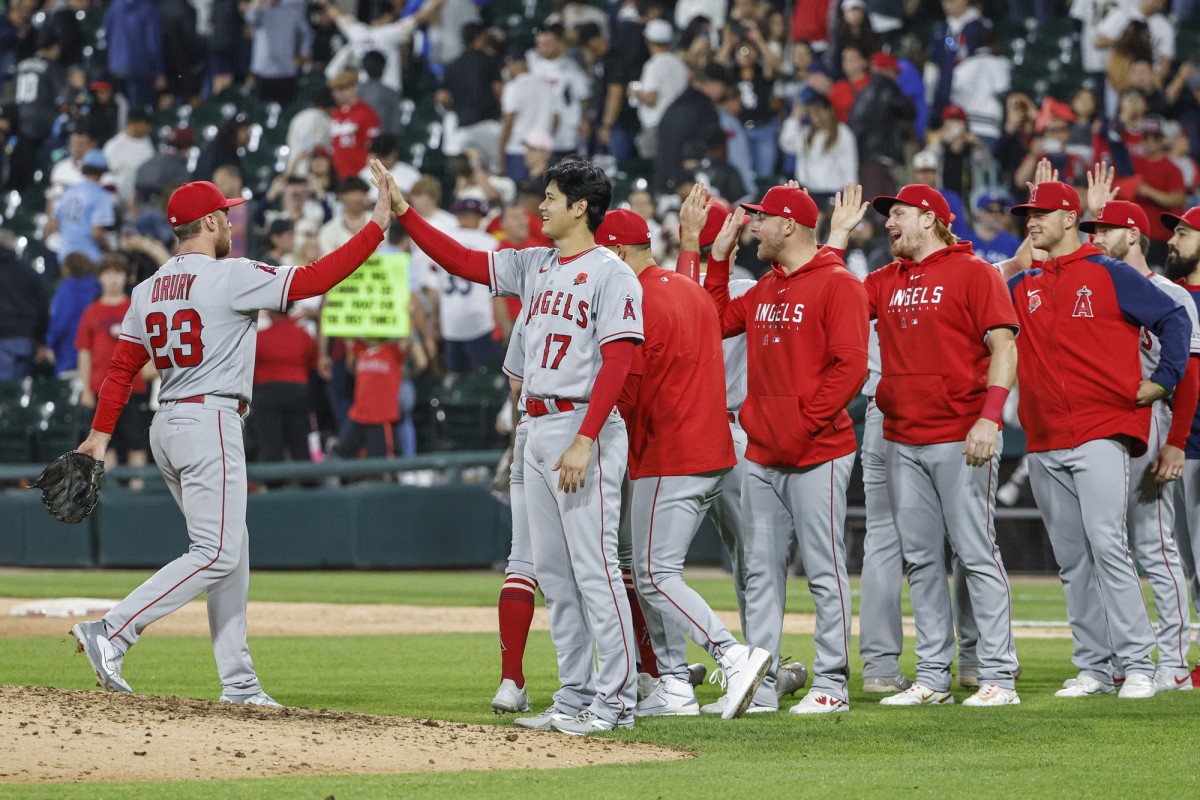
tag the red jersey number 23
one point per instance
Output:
(191, 348)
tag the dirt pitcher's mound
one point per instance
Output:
(52, 735)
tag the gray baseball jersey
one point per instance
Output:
(572, 307)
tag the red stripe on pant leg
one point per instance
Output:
(650, 567)
(608, 576)
(220, 540)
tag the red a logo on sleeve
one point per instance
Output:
(1083, 303)
(629, 312)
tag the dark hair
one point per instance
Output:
(471, 31)
(588, 31)
(353, 184)
(582, 180)
(77, 265)
(323, 98)
(373, 63)
(113, 261)
(385, 143)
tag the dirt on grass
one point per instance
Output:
(57, 736)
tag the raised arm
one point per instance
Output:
(732, 312)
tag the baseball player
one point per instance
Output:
(196, 319)
(1118, 231)
(948, 358)
(1183, 265)
(515, 609)
(678, 458)
(806, 337)
(1085, 409)
(583, 320)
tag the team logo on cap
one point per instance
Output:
(787, 210)
(612, 238)
(925, 203)
(1035, 300)
(581, 278)
(1065, 203)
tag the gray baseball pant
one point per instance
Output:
(726, 514)
(574, 538)
(520, 554)
(199, 451)
(1152, 540)
(1082, 494)
(1187, 526)
(807, 506)
(935, 495)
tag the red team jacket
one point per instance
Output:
(675, 392)
(1079, 364)
(806, 346)
(933, 318)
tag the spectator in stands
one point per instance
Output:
(693, 119)
(229, 47)
(75, 292)
(280, 241)
(979, 84)
(804, 71)
(106, 111)
(282, 43)
(927, 169)
(535, 158)
(352, 127)
(225, 149)
(811, 23)
(86, 212)
(1183, 93)
(965, 162)
(1051, 143)
(326, 36)
(737, 143)
(370, 429)
(382, 99)
(992, 238)
(167, 168)
(1094, 59)
(94, 342)
(18, 37)
(8, 124)
(290, 198)
(228, 178)
(134, 35)
(470, 88)
(280, 422)
(567, 80)
(954, 39)
(869, 248)
(472, 178)
(753, 73)
(911, 81)
(854, 29)
(386, 35)
(183, 52)
(825, 149)
(572, 14)
(1085, 105)
(1141, 77)
(356, 212)
(618, 122)
(1161, 189)
(24, 313)
(528, 103)
(664, 77)
(855, 78)
(880, 147)
(1138, 22)
(386, 148)
(686, 11)
(1020, 119)
(309, 129)
(40, 79)
(1179, 150)
(128, 151)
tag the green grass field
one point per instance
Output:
(1044, 748)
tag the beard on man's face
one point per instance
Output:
(1178, 266)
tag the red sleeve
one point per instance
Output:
(633, 382)
(1187, 394)
(688, 264)
(128, 358)
(330, 270)
(847, 331)
(732, 312)
(83, 336)
(991, 301)
(871, 285)
(614, 369)
(448, 253)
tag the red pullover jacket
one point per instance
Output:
(806, 344)
(1078, 362)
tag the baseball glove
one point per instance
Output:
(71, 486)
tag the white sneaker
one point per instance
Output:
(671, 698)
(544, 720)
(816, 702)
(584, 723)
(510, 698)
(646, 684)
(718, 707)
(101, 655)
(1138, 686)
(260, 699)
(992, 695)
(744, 668)
(1083, 686)
(919, 695)
(1173, 680)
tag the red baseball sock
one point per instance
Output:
(647, 662)
(516, 614)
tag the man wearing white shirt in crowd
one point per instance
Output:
(128, 150)
(572, 85)
(386, 148)
(664, 77)
(688, 10)
(384, 36)
(352, 194)
(528, 103)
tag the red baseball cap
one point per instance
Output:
(919, 195)
(785, 201)
(885, 61)
(1119, 214)
(1190, 217)
(622, 227)
(717, 214)
(953, 111)
(1049, 196)
(198, 199)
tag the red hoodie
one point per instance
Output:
(806, 345)
(1078, 363)
(933, 321)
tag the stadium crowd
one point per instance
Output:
(106, 108)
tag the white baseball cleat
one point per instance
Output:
(718, 707)
(259, 699)
(790, 678)
(671, 698)
(1173, 680)
(510, 698)
(919, 695)
(584, 723)
(885, 684)
(816, 702)
(991, 694)
(1138, 686)
(544, 720)
(104, 658)
(744, 668)
(1083, 686)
